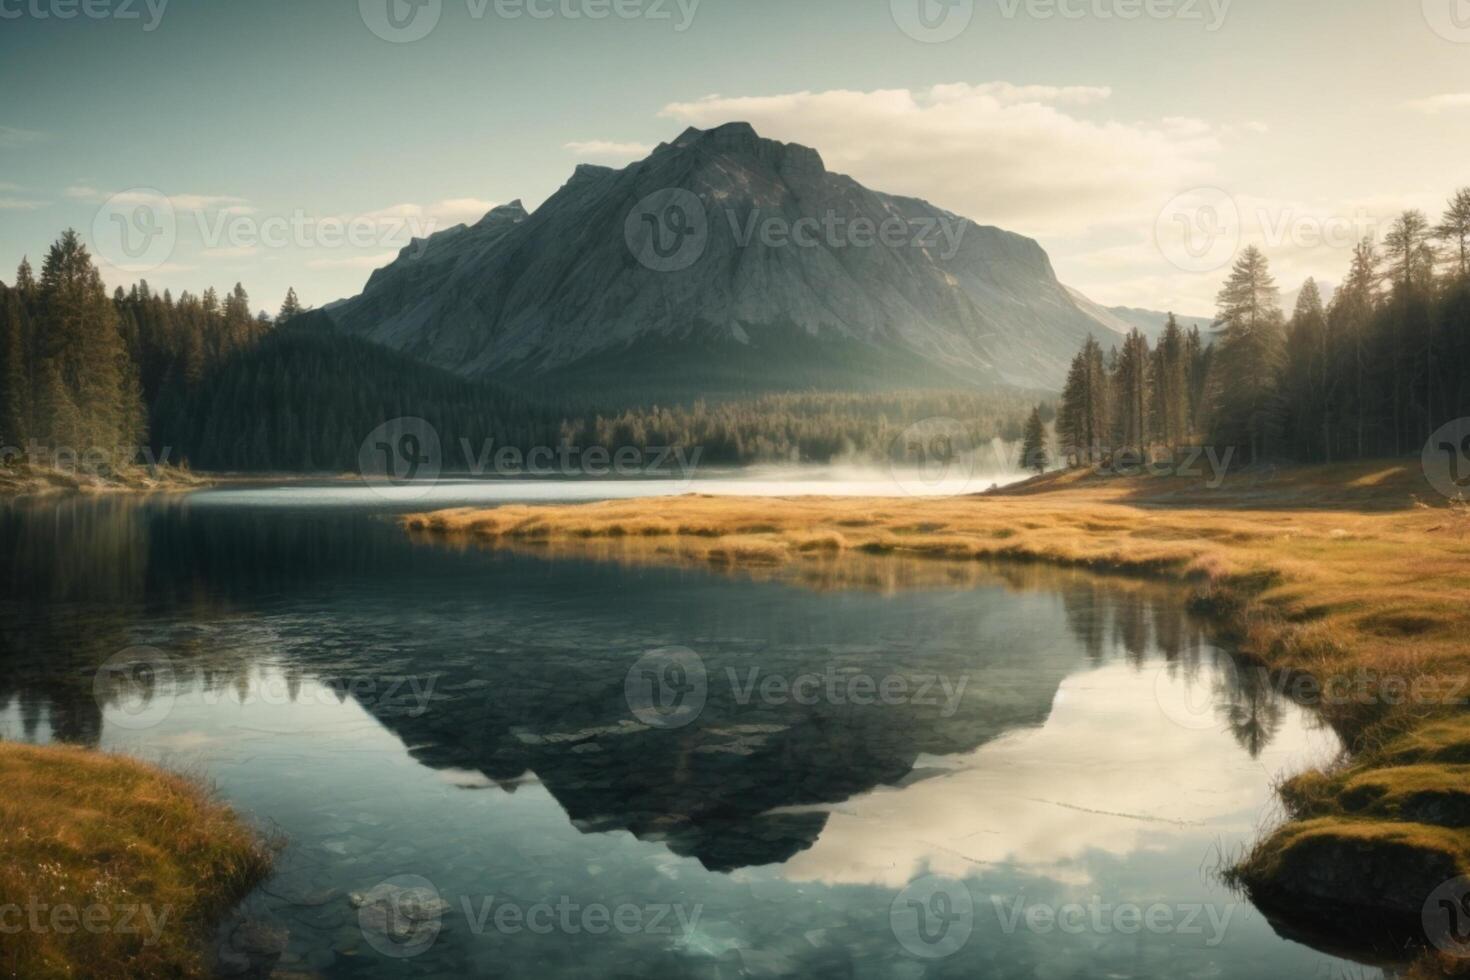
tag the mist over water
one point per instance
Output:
(971, 472)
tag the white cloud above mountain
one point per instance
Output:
(609, 151)
(1041, 159)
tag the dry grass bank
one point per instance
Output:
(26, 481)
(112, 868)
(1354, 581)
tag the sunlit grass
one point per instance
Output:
(149, 856)
(31, 480)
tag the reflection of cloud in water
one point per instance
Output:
(1042, 799)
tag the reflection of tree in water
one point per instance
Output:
(1244, 697)
(1130, 625)
(83, 578)
(1175, 632)
(1086, 612)
(1249, 704)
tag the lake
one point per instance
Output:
(496, 763)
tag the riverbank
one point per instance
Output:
(33, 481)
(1348, 583)
(110, 867)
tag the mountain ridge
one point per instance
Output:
(748, 254)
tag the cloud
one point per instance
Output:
(399, 224)
(114, 276)
(1436, 104)
(223, 203)
(1300, 238)
(609, 149)
(20, 204)
(461, 209)
(11, 137)
(1020, 156)
(207, 202)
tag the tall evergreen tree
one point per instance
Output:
(1033, 445)
(1410, 350)
(291, 307)
(1170, 383)
(1247, 366)
(83, 347)
(1083, 419)
(1131, 396)
(1454, 231)
(1307, 379)
(14, 377)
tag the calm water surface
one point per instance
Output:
(504, 765)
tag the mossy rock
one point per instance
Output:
(1336, 871)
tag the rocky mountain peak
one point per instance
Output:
(512, 212)
(614, 283)
(740, 140)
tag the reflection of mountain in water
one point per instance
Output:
(528, 658)
(708, 787)
(717, 788)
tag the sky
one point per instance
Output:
(301, 143)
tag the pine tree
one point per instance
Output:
(14, 371)
(1454, 230)
(1246, 368)
(1082, 421)
(1351, 317)
(25, 280)
(1131, 396)
(290, 308)
(1170, 382)
(1033, 447)
(88, 400)
(1308, 376)
(1410, 353)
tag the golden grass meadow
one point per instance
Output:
(112, 867)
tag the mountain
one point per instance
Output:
(725, 263)
(1123, 319)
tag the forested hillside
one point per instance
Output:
(211, 384)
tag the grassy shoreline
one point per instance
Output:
(37, 481)
(111, 867)
(1348, 582)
